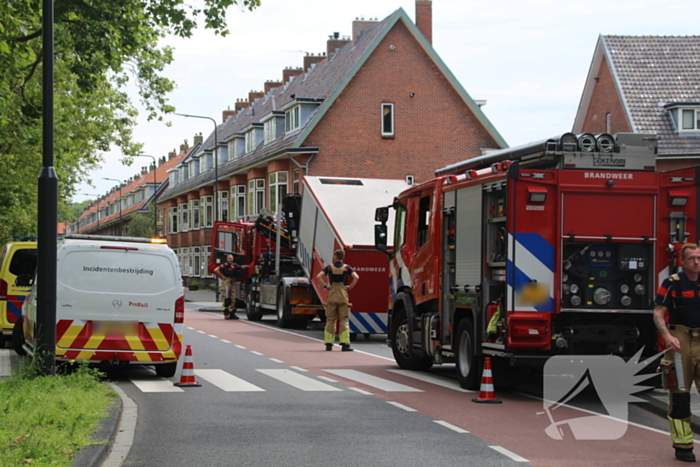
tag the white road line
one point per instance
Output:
(227, 381)
(151, 384)
(201, 332)
(451, 426)
(224, 340)
(299, 381)
(437, 380)
(276, 360)
(299, 369)
(240, 347)
(508, 453)
(326, 378)
(362, 391)
(255, 352)
(212, 335)
(369, 380)
(401, 406)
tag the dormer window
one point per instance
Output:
(291, 119)
(273, 126)
(685, 116)
(250, 141)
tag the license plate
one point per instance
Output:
(115, 328)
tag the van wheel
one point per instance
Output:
(403, 354)
(18, 338)
(250, 310)
(167, 370)
(3, 340)
(467, 363)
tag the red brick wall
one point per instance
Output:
(605, 99)
(432, 129)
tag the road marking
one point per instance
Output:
(508, 453)
(326, 378)
(153, 384)
(431, 378)
(255, 352)
(224, 340)
(240, 347)
(374, 381)
(451, 426)
(201, 332)
(362, 391)
(276, 360)
(212, 335)
(299, 369)
(298, 381)
(401, 406)
(227, 381)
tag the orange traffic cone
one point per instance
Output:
(187, 376)
(486, 393)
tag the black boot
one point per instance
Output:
(685, 454)
(232, 315)
(329, 347)
(346, 348)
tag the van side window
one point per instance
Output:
(23, 262)
(423, 220)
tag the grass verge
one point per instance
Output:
(44, 420)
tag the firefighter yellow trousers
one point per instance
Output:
(337, 314)
(228, 293)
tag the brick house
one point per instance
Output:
(646, 84)
(378, 104)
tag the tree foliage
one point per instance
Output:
(142, 224)
(100, 46)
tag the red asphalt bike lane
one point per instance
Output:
(518, 424)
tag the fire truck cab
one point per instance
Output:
(526, 253)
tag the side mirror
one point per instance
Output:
(380, 232)
(23, 280)
(381, 215)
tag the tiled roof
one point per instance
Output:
(652, 71)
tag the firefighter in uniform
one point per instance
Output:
(337, 306)
(679, 294)
(228, 272)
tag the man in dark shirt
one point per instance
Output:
(679, 296)
(228, 272)
(337, 310)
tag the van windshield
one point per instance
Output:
(117, 272)
(23, 262)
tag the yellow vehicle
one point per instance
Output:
(17, 258)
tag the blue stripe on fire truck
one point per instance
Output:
(535, 258)
(368, 323)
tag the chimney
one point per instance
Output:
(172, 154)
(335, 42)
(227, 113)
(424, 18)
(161, 161)
(144, 170)
(310, 59)
(252, 95)
(287, 73)
(184, 147)
(360, 26)
(241, 104)
(270, 85)
(198, 139)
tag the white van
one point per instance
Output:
(119, 300)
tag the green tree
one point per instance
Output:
(100, 46)
(141, 224)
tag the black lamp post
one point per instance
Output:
(120, 202)
(155, 194)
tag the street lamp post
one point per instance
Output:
(120, 201)
(155, 194)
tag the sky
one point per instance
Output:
(527, 58)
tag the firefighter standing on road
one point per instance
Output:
(337, 305)
(228, 272)
(680, 295)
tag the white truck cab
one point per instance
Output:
(119, 300)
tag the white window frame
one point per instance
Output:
(238, 196)
(695, 119)
(292, 119)
(256, 196)
(195, 221)
(206, 205)
(250, 141)
(174, 220)
(387, 127)
(197, 261)
(296, 181)
(278, 188)
(184, 217)
(270, 129)
(223, 208)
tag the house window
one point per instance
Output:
(291, 119)
(690, 119)
(184, 217)
(194, 209)
(205, 262)
(223, 206)
(173, 220)
(278, 189)
(270, 130)
(197, 259)
(256, 196)
(295, 181)
(206, 205)
(237, 201)
(250, 141)
(387, 120)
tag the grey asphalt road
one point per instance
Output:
(283, 425)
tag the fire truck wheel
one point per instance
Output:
(400, 347)
(467, 367)
(18, 338)
(166, 370)
(283, 320)
(251, 312)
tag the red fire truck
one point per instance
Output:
(330, 215)
(526, 253)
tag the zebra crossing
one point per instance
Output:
(146, 381)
